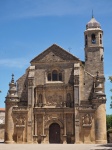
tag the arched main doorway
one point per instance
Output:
(54, 133)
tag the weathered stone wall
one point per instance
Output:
(81, 82)
(92, 65)
(42, 70)
(22, 87)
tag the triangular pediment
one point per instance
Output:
(54, 54)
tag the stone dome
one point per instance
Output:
(93, 24)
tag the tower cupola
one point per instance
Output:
(93, 23)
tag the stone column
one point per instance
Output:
(9, 125)
(43, 124)
(35, 104)
(64, 136)
(100, 125)
(35, 124)
(44, 98)
(29, 127)
(76, 113)
(35, 130)
(43, 134)
(76, 126)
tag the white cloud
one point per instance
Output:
(16, 62)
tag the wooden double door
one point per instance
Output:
(54, 133)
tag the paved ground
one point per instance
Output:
(54, 147)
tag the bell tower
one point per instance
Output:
(94, 77)
(93, 54)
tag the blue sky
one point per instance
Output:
(27, 27)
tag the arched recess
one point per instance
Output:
(93, 38)
(50, 122)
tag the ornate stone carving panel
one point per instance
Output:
(20, 120)
(87, 120)
(54, 99)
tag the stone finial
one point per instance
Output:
(12, 78)
(92, 14)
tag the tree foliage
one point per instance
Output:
(109, 117)
(110, 78)
(109, 121)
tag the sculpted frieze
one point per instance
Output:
(54, 100)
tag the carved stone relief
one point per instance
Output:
(87, 120)
(52, 117)
(54, 100)
(20, 120)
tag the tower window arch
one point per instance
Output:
(86, 42)
(100, 38)
(93, 39)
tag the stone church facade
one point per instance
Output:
(60, 99)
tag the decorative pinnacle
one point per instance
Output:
(12, 78)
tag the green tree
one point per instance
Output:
(109, 121)
(110, 78)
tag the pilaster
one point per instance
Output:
(30, 126)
